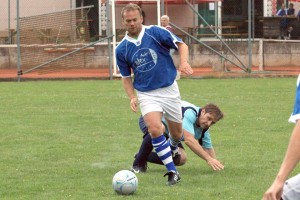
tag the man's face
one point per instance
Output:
(206, 120)
(132, 20)
(164, 22)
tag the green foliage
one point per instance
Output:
(66, 140)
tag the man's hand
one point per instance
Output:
(185, 68)
(133, 104)
(215, 164)
(274, 192)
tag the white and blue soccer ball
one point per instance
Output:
(125, 182)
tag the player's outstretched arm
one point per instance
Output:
(291, 159)
(128, 87)
(193, 144)
(211, 152)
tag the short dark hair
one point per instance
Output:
(213, 110)
(129, 7)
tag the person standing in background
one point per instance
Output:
(283, 22)
(290, 13)
(164, 22)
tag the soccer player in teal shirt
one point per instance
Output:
(196, 123)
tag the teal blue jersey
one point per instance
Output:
(190, 117)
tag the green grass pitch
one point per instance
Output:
(66, 140)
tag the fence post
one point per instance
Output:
(18, 41)
(9, 31)
(249, 37)
(261, 55)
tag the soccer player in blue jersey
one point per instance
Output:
(290, 189)
(196, 123)
(145, 51)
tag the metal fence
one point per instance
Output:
(227, 17)
(87, 22)
(6, 24)
(56, 36)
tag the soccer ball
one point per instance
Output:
(125, 182)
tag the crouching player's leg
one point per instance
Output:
(173, 117)
(140, 158)
(153, 158)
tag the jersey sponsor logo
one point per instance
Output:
(145, 59)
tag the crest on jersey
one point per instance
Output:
(144, 59)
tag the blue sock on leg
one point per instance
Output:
(162, 148)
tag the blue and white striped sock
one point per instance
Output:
(163, 150)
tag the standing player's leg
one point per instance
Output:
(171, 105)
(159, 142)
(176, 136)
(161, 145)
(173, 116)
(152, 105)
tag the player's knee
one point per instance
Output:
(182, 161)
(155, 130)
(183, 158)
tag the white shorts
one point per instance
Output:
(291, 188)
(165, 100)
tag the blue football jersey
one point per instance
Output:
(296, 112)
(148, 57)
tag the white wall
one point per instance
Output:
(29, 8)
